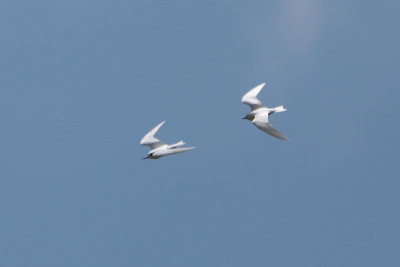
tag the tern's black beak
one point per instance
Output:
(244, 118)
(146, 157)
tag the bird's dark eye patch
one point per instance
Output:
(250, 117)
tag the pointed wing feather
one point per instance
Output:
(150, 140)
(262, 123)
(168, 151)
(250, 98)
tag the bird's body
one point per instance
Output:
(259, 113)
(158, 148)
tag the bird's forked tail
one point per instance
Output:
(278, 109)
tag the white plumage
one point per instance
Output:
(259, 113)
(158, 148)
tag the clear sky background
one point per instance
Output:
(83, 81)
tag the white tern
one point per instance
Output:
(158, 148)
(259, 113)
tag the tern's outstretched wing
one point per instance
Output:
(150, 140)
(172, 151)
(250, 98)
(262, 123)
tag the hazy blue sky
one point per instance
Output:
(83, 81)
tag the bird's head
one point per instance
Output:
(249, 117)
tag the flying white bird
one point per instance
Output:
(158, 148)
(259, 114)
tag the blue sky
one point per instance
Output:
(83, 81)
